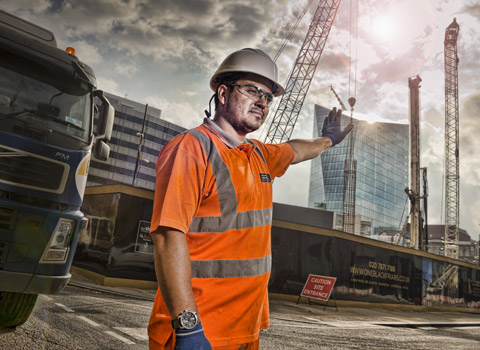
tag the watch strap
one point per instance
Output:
(176, 322)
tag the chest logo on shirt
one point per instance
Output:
(265, 177)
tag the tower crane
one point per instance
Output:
(452, 177)
(298, 83)
(296, 90)
(349, 173)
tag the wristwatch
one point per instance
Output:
(186, 320)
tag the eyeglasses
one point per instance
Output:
(254, 92)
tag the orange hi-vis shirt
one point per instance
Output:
(219, 193)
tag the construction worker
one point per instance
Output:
(213, 209)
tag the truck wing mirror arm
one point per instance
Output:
(105, 118)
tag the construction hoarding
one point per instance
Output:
(368, 270)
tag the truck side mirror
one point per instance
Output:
(101, 150)
(105, 118)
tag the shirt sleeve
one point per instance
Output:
(278, 157)
(178, 187)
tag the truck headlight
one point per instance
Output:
(59, 244)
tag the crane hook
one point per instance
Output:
(351, 101)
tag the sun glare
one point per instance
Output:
(369, 118)
(384, 28)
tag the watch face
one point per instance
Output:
(188, 319)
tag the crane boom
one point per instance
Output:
(338, 98)
(452, 178)
(302, 74)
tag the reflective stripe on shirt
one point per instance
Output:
(231, 268)
(229, 218)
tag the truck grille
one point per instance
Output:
(31, 171)
(28, 132)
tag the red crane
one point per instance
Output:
(298, 83)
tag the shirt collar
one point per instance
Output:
(227, 139)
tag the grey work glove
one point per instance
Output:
(331, 127)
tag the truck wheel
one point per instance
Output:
(15, 308)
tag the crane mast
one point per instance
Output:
(349, 186)
(302, 74)
(452, 176)
(349, 173)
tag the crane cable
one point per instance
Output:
(356, 51)
(285, 43)
(287, 40)
(352, 98)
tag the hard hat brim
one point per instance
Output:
(249, 61)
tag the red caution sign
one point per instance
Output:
(318, 287)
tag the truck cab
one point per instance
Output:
(47, 137)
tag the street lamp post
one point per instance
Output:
(140, 146)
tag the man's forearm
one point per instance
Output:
(308, 149)
(173, 271)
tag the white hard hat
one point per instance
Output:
(249, 61)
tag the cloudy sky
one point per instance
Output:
(164, 52)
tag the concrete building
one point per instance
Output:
(381, 152)
(126, 165)
(467, 248)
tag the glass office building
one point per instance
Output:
(381, 153)
(126, 165)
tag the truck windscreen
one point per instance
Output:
(63, 108)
